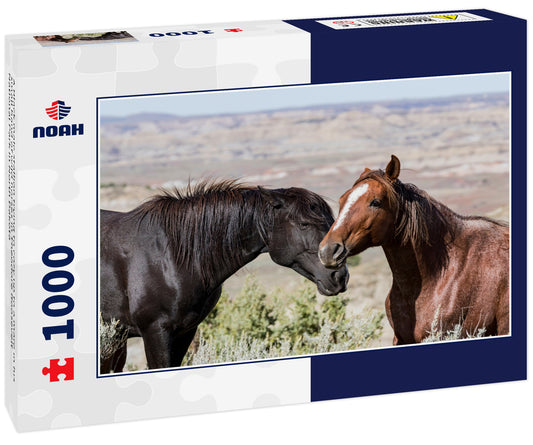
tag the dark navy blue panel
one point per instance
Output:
(420, 51)
(415, 368)
(411, 51)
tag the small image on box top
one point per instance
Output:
(84, 38)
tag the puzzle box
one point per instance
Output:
(225, 216)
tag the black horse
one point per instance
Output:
(163, 263)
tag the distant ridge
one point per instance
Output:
(363, 105)
(139, 117)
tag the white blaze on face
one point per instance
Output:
(352, 199)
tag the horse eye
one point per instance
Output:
(303, 226)
(375, 203)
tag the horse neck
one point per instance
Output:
(252, 244)
(405, 266)
(416, 262)
(212, 243)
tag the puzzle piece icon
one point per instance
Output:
(55, 369)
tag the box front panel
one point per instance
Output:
(57, 199)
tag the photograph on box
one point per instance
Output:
(276, 222)
(83, 38)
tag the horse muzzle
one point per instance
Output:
(332, 254)
(335, 282)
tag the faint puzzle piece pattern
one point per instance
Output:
(84, 387)
(167, 75)
(233, 76)
(166, 399)
(266, 400)
(236, 387)
(37, 217)
(36, 404)
(66, 420)
(134, 58)
(36, 63)
(66, 188)
(97, 59)
(291, 70)
(85, 286)
(40, 189)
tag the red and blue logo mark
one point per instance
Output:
(58, 110)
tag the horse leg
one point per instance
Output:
(503, 326)
(398, 340)
(105, 365)
(156, 346)
(116, 362)
(179, 345)
(119, 358)
(502, 316)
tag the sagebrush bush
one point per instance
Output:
(112, 337)
(256, 325)
(353, 261)
(437, 334)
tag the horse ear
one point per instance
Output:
(271, 197)
(393, 168)
(366, 170)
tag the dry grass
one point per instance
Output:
(437, 334)
(112, 337)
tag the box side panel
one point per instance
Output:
(10, 200)
(134, 36)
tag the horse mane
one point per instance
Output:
(421, 220)
(204, 222)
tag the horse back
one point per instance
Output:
(128, 252)
(140, 282)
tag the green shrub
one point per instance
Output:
(255, 324)
(353, 261)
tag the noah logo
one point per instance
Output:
(58, 111)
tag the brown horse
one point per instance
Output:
(446, 268)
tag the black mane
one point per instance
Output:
(206, 223)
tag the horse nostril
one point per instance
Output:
(337, 250)
(329, 253)
(340, 277)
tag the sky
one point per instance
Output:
(277, 98)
